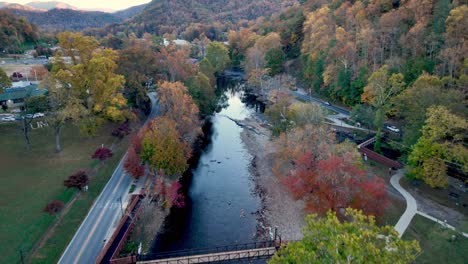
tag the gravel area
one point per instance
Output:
(278, 207)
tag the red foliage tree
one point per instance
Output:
(174, 196)
(335, 183)
(53, 207)
(122, 131)
(102, 153)
(78, 180)
(133, 165)
(136, 141)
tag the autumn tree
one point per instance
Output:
(137, 62)
(412, 103)
(239, 42)
(379, 91)
(133, 164)
(305, 113)
(442, 144)
(357, 240)
(102, 153)
(175, 63)
(218, 56)
(39, 72)
(78, 179)
(176, 104)
(335, 182)
(76, 46)
(63, 106)
(4, 80)
(162, 147)
(53, 207)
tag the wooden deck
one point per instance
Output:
(214, 257)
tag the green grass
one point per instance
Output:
(436, 242)
(29, 180)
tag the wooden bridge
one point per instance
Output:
(255, 250)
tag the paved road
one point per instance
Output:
(323, 103)
(89, 239)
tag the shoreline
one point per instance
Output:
(278, 208)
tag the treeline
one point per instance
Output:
(394, 60)
(15, 32)
(193, 19)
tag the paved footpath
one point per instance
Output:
(412, 208)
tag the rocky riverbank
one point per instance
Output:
(278, 207)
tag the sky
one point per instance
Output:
(90, 4)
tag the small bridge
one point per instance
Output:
(248, 251)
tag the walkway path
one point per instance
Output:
(411, 208)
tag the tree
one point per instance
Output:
(203, 93)
(39, 72)
(53, 207)
(122, 130)
(379, 91)
(32, 105)
(335, 182)
(275, 59)
(175, 63)
(162, 147)
(359, 240)
(133, 164)
(78, 47)
(411, 105)
(78, 179)
(102, 154)
(441, 145)
(305, 114)
(63, 106)
(176, 104)
(218, 56)
(4, 80)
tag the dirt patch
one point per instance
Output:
(279, 209)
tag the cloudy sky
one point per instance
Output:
(90, 4)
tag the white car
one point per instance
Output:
(8, 119)
(35, 115)
(393, 129)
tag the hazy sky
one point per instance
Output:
(106, 4)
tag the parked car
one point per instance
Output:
(8, 119)
(327, 103)
(393, 129)
(35, 115)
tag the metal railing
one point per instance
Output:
(204, 251)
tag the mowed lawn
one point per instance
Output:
(436, 242)
(29, 180)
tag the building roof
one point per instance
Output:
(20, 93)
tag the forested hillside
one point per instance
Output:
(14, 31)
(391, 60)
(67, 19)
(189, 19)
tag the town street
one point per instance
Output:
(89, 239)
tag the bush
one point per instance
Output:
(122, 131)
(78, 180)
(102, 153)
(54, 207)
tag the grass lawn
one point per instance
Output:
(435, 241)
(29, 180)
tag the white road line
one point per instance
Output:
(85, 244)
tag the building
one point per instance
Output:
(14, 97)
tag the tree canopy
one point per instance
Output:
(358, 240)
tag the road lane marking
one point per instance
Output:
(85, 244)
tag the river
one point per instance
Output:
(221, 204)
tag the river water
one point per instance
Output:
(221, 205)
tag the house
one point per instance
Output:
(14, 96)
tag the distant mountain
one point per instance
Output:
(51, 5)
(129, 12)
(20, 7)
(67, 19)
